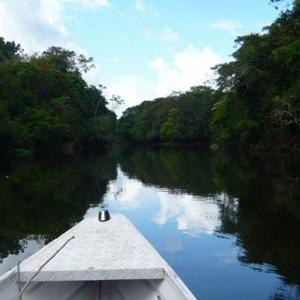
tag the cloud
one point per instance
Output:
(169, 35)
(91, 4)
(261, 26)
(93, 76)
(125, 193)
(127, 87)
(194, 215)
(190, 67)
(230, 26)
(39, 24)
(144, 8)
(166, 35)
(132, 89)
(32, 23)
(171, 244)
(140, 5)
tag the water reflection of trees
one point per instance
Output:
(260, 198)
(46, 198)
(175, 169)
(268, 219)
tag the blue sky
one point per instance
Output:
(142, 48)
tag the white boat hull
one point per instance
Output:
(110, 261)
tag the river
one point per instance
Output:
(228, 225)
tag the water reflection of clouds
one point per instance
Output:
(126, 192)
(171, 244)
(194, 215)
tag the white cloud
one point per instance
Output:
(132, 89)
(33, 23)
(171, 244)
(38, 24)
(125, 193)
(126, 197)
(129, 88)
(190, 67)
(139, 5)
(91, 4)
(94, 76)
(144, 8)
(261, 26)
(166, 35)
(169, 35)
(230, 26)
(193, 215)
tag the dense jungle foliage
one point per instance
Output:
(256, 104)
(45, 102)
(261, 102)
(181, 117)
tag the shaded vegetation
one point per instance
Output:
(45, 102)
(261, 105)
(179, 118)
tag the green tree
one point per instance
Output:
(45, 102)
(172, 129)
(8, 50)
(261, 106)
(178, 118)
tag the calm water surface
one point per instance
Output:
(230, 227)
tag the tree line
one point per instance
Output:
(45, 102)
(255, 106)
(179, 118)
